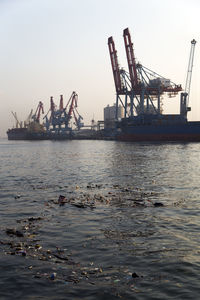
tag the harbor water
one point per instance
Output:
(127, 226)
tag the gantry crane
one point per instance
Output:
(184, 108)
(59, 119)
(121, 79)
(141, 88)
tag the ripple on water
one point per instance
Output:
(108, 228)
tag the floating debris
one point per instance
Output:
(60, 265)
(135, 275)
(62, 200)
(53, 276)
(13, 231)
(158, 204)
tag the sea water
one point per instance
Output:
(128, 227)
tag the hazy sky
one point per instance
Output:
(53, 47)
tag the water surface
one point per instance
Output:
(109, 240)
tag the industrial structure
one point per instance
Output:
(110, 115)
(57, 120)
(139, 91)
(137, 114)
(60, 122)
(184, 102)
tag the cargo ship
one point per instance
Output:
(54, 126)
(17, 133)
(25, 134)
(141, 92)
(159, 128)
(30, 129)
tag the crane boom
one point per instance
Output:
(52, 105)
(61, 103)
(29, 116)
(184, 101)
(39, 109)
(115, 65)
(190, 66)
(73, 103)
(18, 124)
(130, 58)
(27, 121)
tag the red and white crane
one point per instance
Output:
(141, 86)
(115, 66)
(130, 58)
(39, 110)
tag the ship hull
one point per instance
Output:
(24, 134)
(189, 131)
(17, 134)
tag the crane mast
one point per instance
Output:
(184, 108)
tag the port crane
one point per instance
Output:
(28, 119)
(60, 117)
(72, 103)
(184, 108)
(117, 72)
(39, 110)
(78, 119)
(18, 123)
(140, 90)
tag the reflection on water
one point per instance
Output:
(108, 239)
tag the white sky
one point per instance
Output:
(53, 47)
